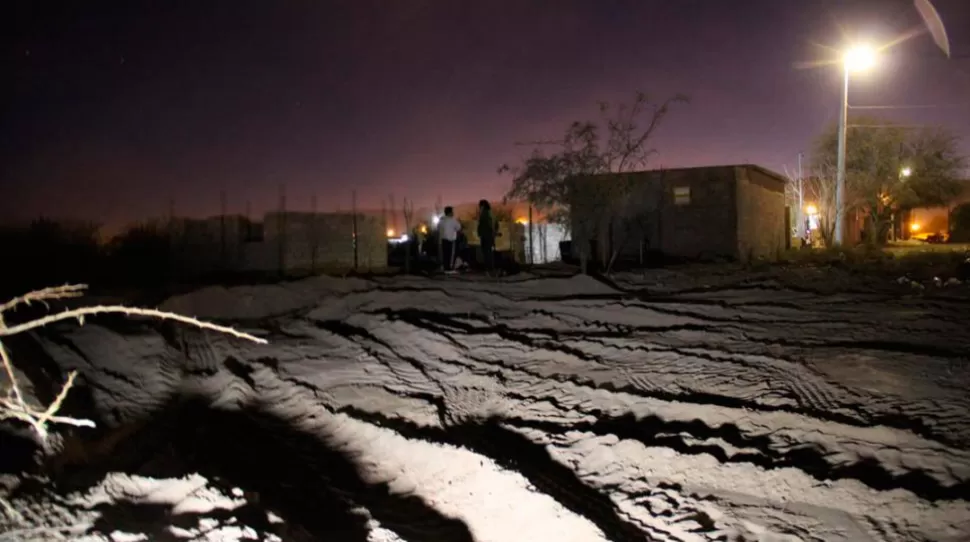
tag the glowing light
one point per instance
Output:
(523, 221)
(390, 232)
(906, 172)
(811, 210)
(435, 219)
(915, 226)
(859, 58)
(424, 228)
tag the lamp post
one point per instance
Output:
(856, 59)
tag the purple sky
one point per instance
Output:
(110, 110)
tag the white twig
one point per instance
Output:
(55, 292)
(13, 406)
(79, 314)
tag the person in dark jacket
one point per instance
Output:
(486, 234)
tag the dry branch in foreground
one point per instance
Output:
(12, 404)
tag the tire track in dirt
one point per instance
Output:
(889, 484)
(851, 404)
(808, 391)
(560, 407)
(930, 491)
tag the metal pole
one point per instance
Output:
(313, 234)
(532, 249)
(174, 260)
(353, 205)
(249, 221)
(437, 212)
(801, 202)
(223, 209)
(282, 231)
(839, 236)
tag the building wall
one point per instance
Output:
(702, 226)
(760, 214)
(307, 242)
(705, 227)
(292, 243)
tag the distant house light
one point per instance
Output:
(681, 195)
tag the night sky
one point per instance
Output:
(112, 109)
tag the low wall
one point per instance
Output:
(289, 243)
(325, 241)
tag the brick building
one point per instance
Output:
(735, 212)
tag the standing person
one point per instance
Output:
(448, 228)
(486, 233)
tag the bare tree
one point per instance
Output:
(819, 190)
(558, 183)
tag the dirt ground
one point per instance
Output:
(697, 404)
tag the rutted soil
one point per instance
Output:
(525, 409)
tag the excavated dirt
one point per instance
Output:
(660, 407)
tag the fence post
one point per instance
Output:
(393, 210)
(437, 213)
(223, 255)
(408, 215)
(353, 206)
(281, 222)
(313, 234)
(173, 260)
(532, 249)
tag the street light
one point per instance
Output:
(859, 58)
(856, 59)
(906, 172)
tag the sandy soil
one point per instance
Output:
(668, 406)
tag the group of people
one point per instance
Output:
(449, 230)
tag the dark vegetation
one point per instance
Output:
(960, 223)
(137, 264)
(866, 260)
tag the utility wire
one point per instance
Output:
(925, 106)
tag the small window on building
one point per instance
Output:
(681, 195)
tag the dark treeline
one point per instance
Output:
(49, 253)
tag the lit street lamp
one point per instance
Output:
(856, 59)
(905, 172)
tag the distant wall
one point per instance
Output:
(325, 241)
(288, 243)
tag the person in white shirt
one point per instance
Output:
(448, 228)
